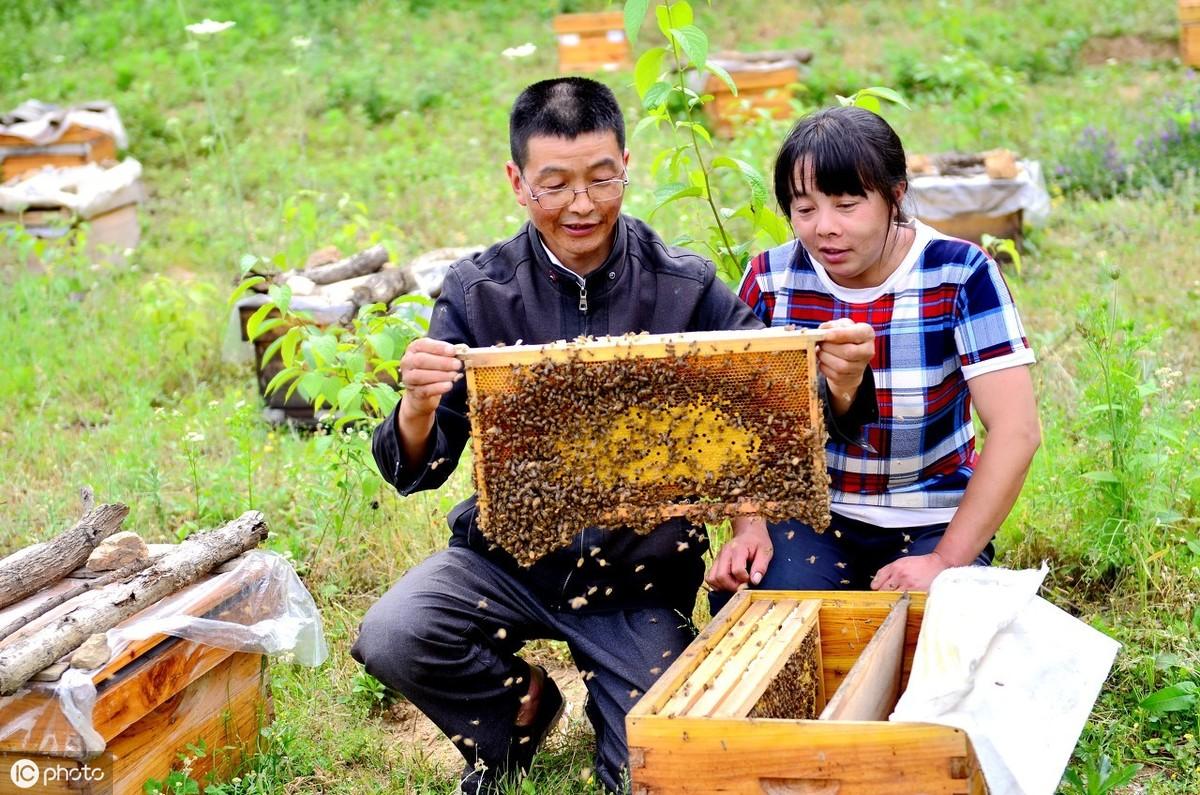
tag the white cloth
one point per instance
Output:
(1016, 673)
(41, 123)
(87, 190)
(937, 197)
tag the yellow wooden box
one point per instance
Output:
(591, 42)
(75, 147)
(1189, 32)
(674, 750)
(153, 699)
(759, 90)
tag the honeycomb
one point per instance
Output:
(626, 432)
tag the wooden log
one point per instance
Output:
(35, 567)
(359, 264)
(45, 606)
(383, 286)
(195, 557)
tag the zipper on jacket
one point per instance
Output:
(583, 306)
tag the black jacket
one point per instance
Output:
(513, 292)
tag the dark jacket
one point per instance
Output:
(513, 292)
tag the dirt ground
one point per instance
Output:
(416, 735)
(1126, 49)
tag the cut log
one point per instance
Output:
(45, 606)
(194, 558)
(32, 569)
(384, 286)
(360, 264)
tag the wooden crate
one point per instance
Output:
(591, 42)
(109, 233)
(973, 226)
(866, 646)
(77, 146)
(768, 90)
(153, 699)
(1189, 32)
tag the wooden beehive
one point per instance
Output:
(762, 744)
(75, 147)
(591, 42)
(1189, 32)
(633, 430)
(759, 90)
(153, 699)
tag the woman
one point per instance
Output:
(913, 496)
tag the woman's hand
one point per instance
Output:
(843, 357)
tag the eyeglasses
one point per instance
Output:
(603, 191)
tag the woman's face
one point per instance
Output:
(846, 234)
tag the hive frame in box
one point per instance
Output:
(787, 354)
(678, 753)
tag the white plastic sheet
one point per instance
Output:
(274, 615)
(1016, 673)
(87, 190)
(937, 198)
(41, 123)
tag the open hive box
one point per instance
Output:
(788, 693)
(154, 698)
(631, 431)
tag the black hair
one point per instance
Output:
(851, 151)
(563, 107)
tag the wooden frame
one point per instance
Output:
(768, 372)
(701, 754)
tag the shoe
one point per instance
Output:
(526, 740)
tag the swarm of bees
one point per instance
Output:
(792, 694)
(573, 441)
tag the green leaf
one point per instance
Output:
(648, 69)
(282, 377)
(646, 121)
(281, 297)
(348, 397)
(383, 345)
(694, 43)
(725, 77)
(678, 15)
(868, 102)
(255, 321)
(885, 93)
(1103, 476)
(290, 341)
(656, 95)
(386, 397)
(1176, 698)
(324, 348)
(635, 14)
(244, 288)
(754, 180)
(310, 386)
(672, 193)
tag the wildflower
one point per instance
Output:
(301, 42)
(524, 51)
(195, 437)
(209, 27)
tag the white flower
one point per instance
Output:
(524, 51)
(301, 42)
(194, 437)
(209, 26)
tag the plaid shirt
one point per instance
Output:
(944, 316)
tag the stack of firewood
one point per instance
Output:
(106, 576)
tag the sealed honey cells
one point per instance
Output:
(624, 433)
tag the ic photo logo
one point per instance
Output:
(25, 773)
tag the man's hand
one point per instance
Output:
(744, 558)
(428, 370)
(913, 573)
(843, 357)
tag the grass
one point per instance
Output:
(390, 126)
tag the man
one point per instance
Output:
(446, 635)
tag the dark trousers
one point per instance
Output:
(845, 557)
(446, 636)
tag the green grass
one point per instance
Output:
(391, 126)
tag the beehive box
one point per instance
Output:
(76, 146)
(752, 729)
(1189, 32)
(759, 90)
(591, 42)
(153, 699)
(630, 431)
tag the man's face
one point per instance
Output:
(580, 234)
